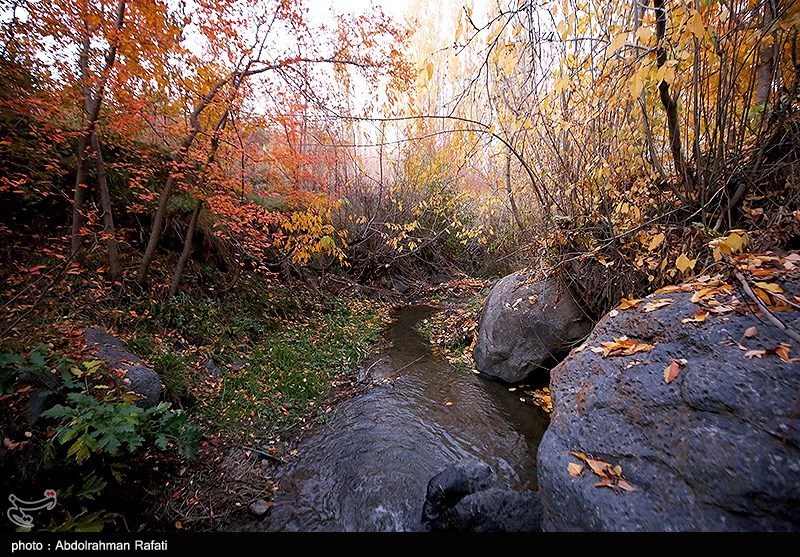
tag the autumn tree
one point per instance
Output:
(253, 54)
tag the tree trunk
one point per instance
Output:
(766, 57)
(155, 230)
(109, 231)
(91, 105)
(79, 196)
(670, 104)
(187, 249)
(510, 192)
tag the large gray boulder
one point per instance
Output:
(525, 324)
(143, 380)
(718, 448)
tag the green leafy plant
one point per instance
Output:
(93, 427)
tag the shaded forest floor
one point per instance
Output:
(253, 365)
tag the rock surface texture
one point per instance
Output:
(468, 497)
(143, 380)
(526, 324)
(718, 448)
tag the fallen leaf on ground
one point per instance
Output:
(672, 370)
(683, 263)
(574, 469)
(13, 445)
(657, 240)
(657, 304)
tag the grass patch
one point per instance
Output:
(291, 370)
(174, 372)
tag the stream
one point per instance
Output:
(368, 466)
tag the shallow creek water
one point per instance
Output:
(367, 467)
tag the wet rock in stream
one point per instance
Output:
(469, 497)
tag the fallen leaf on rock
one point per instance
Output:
(622, 346)
(637, 363)
(671, 289)
(750, 332)
(629, 303)
(574, 469)
(657, 304)
(599, 467)
(610, 476)
(770, 287)
(613, 313)
(721, 309)
(763, 295)
(739, 345)
(782, 351)
(709, 292)
(672, 370)
(615, 484)
(699, 317)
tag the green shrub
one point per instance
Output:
(112, 428)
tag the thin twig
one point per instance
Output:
(409, 364)
(767, 313)
(265, 454)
